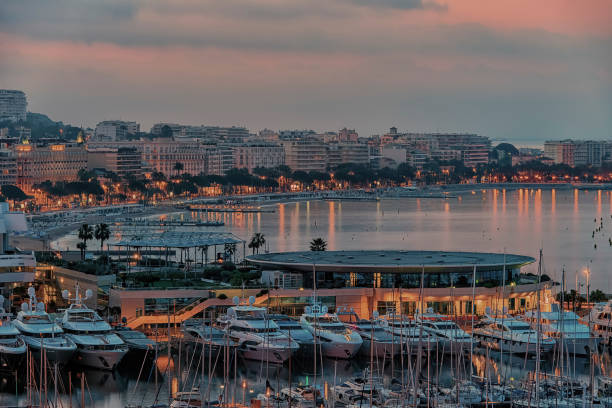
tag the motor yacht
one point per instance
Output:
(334, 338)
(506, 333)
(42, 335)
(377, 341)
(196, 332)
(565, 327)
(601, 321)
(12, 346)
(97, 345)
(296, 332)
(139, 345)
(302, 397)
(455, 339)
(412, 335)
(258, 337)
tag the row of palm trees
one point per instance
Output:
(259, 240)
(87, 232)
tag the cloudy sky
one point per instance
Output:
(519, 70)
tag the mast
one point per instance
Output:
(538, 332)
(472, 333)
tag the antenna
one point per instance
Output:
(251, 300)
(25, 307)
(375, 314)
(40, 307)
(31, 291)
(65, 294)
(308, 310)
(88, 294)
(324, 309)
(236, 300)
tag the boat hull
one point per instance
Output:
(53, 353)
(379, 349)
(580, 346)
(101, 359)
(340, 350)
(12, 359)
(277, 356)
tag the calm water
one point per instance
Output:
(520, 221)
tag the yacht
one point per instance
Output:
(258, 337)
(455, 339)
(42, 335)
(296, 332)
(377, 341)
(12, 347)
(601, 321)
(412, 335)
(97, 345)
(302, 397)
(196, 333)
(139, 345)
(505, 333)
(335, 339)
(566, 328)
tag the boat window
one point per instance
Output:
(36, 318)
(519, 326)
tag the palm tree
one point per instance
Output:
(85, 234)
(102, 233)
(230, 250)
(82, 247)
(318, 244)
(257, 241)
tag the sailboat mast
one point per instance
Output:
(538, 332)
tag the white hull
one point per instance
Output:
(339, 350)
(580, 346)
(53, 352)
(103, 359)
(271, 355)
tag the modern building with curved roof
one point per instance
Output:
(386, 280)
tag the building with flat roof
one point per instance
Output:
(125, 161)
(386, 280)
(116, 130)
(13, 105)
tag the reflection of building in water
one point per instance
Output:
(391, 280)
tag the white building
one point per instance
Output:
(111, 130)
(13, 105)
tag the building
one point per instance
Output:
(253, 155)
(391, 280)
(340, 153)
(560, 151)
(295, 134)
(54, 162)
(13, 105)
(8, 167)
(589, 153)
(396, 154)
(116, 130)
(305, 154)
(124, 161)
(16, 266)
(348, 135)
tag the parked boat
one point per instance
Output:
(566, 328)
(508, 334)
(377, 341)
(196, 333)
(455, 339)
(296, 332)
(334, 339)
(601, 321)
(42, 335)
(412, 335)
(139, 345)
(258, 337)
(97, 345)
(12, 347)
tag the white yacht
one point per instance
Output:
(12, 347)
(377, 341)
(455, 339)
(334, 339)
(508, 334)
(196, 333)
(42, 335)
(295, 331)
(601, 321)
(97, 345)
(258, 337)
(565, 325)
(412, 335)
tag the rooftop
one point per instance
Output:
(389, 260)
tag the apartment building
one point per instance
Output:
(125, 161)
(8, 167)
(578, 152)
(305, 154)
(54, 162)
(111, 130)
(13, 105)
(253, 155)
(339, 153)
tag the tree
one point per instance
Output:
(230, 250)
(102, 233)
(85, 234)
(13, 193)
(178, 167)
(257, 241)
(318, 244)
(597, 296)
(82, 247)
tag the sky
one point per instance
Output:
(515, 70)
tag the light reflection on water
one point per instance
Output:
(117, 389)
(520, 221)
